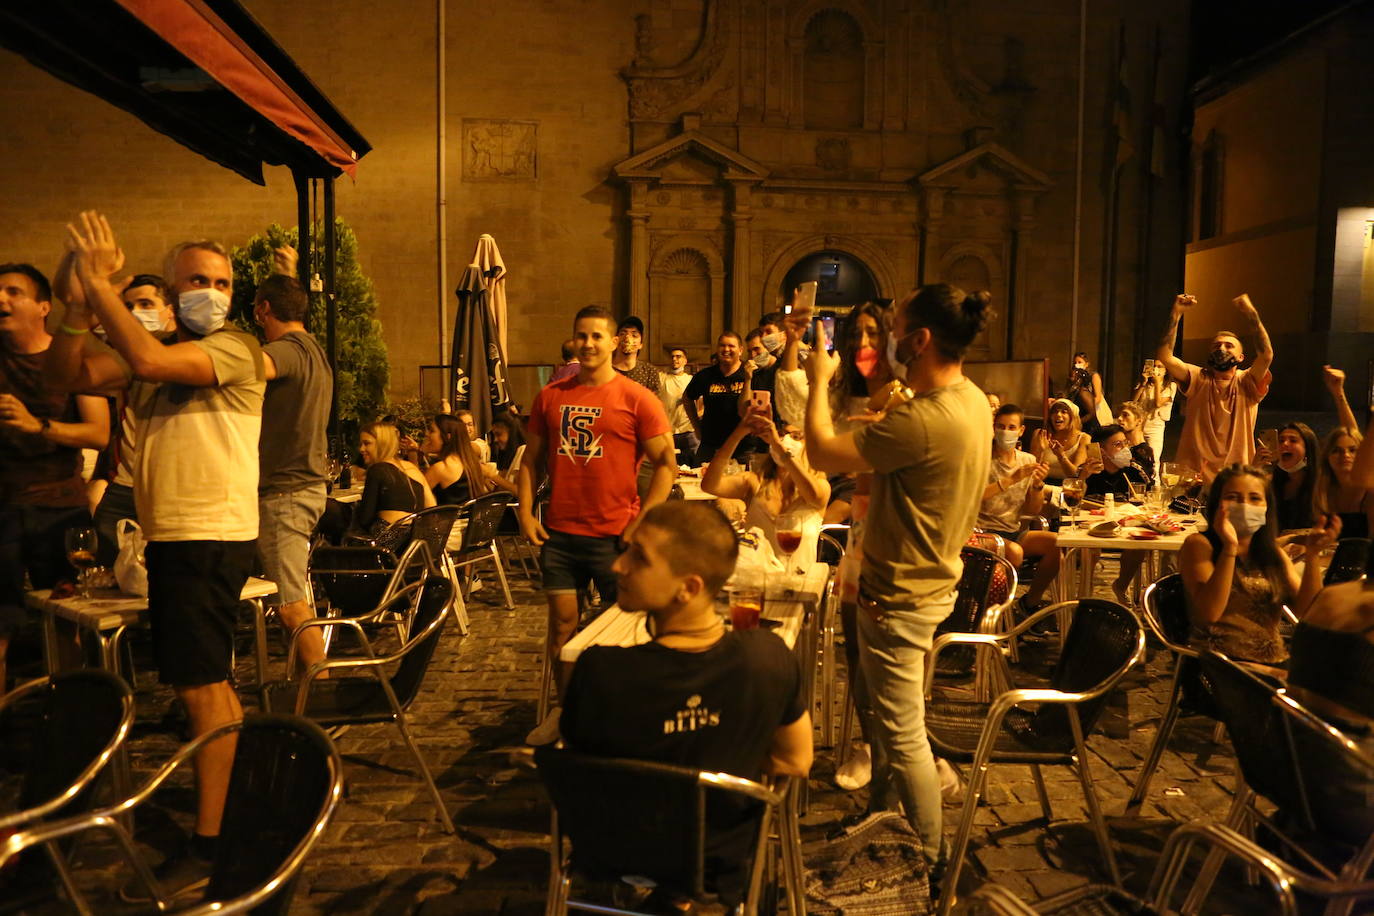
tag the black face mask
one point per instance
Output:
(1221, 361)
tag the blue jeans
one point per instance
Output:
(116, 504)
(893, 647)
(686, 445)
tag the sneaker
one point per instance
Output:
(951, 786)
(545, 732)
(179, 877)
(857, 771)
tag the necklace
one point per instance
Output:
(697, 633)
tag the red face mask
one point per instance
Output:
(866, 361)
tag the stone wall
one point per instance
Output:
(855, 131)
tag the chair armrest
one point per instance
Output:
(41, 834)
(1174, 859)
(351, 622)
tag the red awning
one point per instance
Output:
(202, 36)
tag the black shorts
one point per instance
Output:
(570, 561)
(193, 603)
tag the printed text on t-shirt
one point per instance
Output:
(576, 439)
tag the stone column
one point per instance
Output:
(932, 215)
(639, 248)
(1022, 228)
(741, 214)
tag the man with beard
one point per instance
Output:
(1223, 400)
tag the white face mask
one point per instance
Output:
(1120, 457)
(1297, 466)
(763, 361)
(899, 368)
(152, 321)
(202, 311)
(1246, 519)
(773, 342)
(1007, 438)
(676, 370)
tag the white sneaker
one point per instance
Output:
(857, 771)
(951, 786)
(545, 732)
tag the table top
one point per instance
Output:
(616, 627)
(1079, 537)
(108, 609)
(691, 487)
(351, 495)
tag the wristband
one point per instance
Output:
(75, 332)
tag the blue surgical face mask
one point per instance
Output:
(202, 311)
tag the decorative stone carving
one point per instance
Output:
(656, 91)
(499, 150)
(832, 154)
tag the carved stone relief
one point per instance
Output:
(498, 150)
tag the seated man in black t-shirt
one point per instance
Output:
(695, 696)
(1114, 472)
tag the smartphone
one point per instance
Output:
(1269, 438)
(761, 402)
(1095, 452)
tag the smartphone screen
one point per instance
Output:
(828, 322)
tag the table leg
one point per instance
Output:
(260, 643)
(50, 660)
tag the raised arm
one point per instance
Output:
(1335, 383)
(68, 364)
(812, 487)
(1362, 475)
(1208, 581)
(1264, 351)
(1176, 368)
(829, 453)
(184, 363)
(736, 486)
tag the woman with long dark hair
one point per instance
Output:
(1294, 473)
(456, 473)
(1237, 578)
(1339, 491)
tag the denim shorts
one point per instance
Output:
(570, 561)
(285, 523)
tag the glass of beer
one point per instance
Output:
(81, 545)
(746, 604)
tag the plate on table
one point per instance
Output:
(1103, 530)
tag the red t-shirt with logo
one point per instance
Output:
(594, 437)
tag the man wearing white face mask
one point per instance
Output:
(1114, 472)
(198, 404)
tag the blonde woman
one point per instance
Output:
(1062, 445)
(393, 488)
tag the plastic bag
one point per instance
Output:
(130, 569)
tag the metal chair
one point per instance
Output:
(286, 782)
(74, 726)
(1165, 611)
(1104, 641)
(635, 817)
(1349, 561)
(996, 900)
(364, 694)
(483, 516)
(986, 590)
(829, 550)
(1318, 777)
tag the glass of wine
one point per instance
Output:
(1074, 488)
(789, 536)
(81, 546)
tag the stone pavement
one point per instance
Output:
(385, 853)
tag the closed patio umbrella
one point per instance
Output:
(478, 381)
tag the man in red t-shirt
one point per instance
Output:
(589, 433)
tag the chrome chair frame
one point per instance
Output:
(997, 900)
(111, 819)
(779, 809)
(375, 665)
(1003, 704)
(1340, 887)
(480, 554)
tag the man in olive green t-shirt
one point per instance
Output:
(929, 458)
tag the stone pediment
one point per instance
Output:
(971, 169)
(690, 156)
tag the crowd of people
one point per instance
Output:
(215, 444)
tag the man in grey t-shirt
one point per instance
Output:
(293, 450)
(929, 458)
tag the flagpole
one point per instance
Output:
(1078, 173)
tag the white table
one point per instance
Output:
(691, 488)
(108, 614)
(1073, 541)
(351, 495)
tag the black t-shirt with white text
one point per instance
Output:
(714, 710)
(720, 395)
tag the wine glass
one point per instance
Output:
(81, 546)
(1073, 489)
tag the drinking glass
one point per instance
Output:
(789, 531)
(1073, 488)
(746, 604)
(81, 545)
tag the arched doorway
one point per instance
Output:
(843, 281)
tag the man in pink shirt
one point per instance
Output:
(1223, 400)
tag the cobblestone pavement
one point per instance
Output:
(385, 853)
